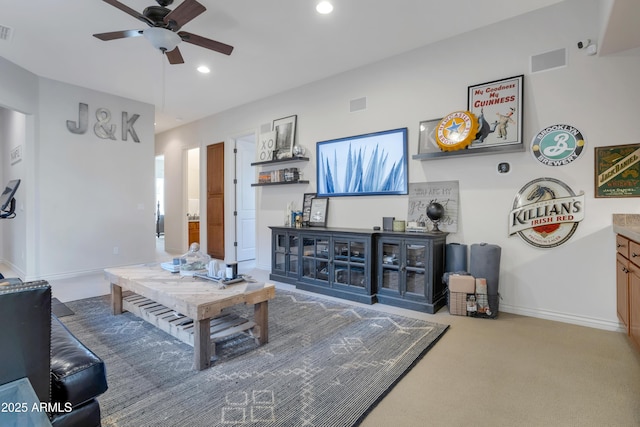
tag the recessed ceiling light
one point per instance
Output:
(204, 69)
(324, 7)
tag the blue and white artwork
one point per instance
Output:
(362, 165)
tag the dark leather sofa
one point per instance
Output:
(36, 345)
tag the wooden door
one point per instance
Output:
(215, 200)
(245, 201)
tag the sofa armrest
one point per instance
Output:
(25, 316)
(77, 374)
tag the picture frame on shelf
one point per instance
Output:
(617, 171)
(266, 146)
(427, 137)
(306, 207)
(498, 108)
(318, 212)
(285, 129)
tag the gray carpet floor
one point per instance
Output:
(326, 364)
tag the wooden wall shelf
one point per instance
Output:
(287, 160)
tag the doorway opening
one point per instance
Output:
(159, 213)
(193, 196)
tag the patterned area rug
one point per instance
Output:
(326, 364)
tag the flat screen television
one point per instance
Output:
(363, 165)
(7, 202)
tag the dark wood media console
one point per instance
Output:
(397, 268)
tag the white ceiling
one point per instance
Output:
(279, 45)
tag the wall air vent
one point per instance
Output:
(265, 128)
(358, 104)
(6, 33)
(549, 60)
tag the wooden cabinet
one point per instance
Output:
(628, 286)
(634, 305)
(402, 269)
(194, 232)
(410, 271)
(622, 289)
(337, 264)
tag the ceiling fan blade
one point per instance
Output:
(206, 43)
(128, 10)
(118, 35)
(174, 56)
(184, 13)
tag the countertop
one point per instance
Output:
(627, 225)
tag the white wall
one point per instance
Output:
(96, 196)
(82, 196)
(598, 95)
(13, 232)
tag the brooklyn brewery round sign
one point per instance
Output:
(546, 213)
(557, 145)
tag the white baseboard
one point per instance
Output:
(590, 322)
(14, 268)
(66, 275)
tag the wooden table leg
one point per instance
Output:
(116, 299)
(203, 349)
(261, 317)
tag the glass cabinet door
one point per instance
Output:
(416, 261)
(349, 262)
(279, 252)
(390, 258)
(293, 255)
(357, 258)
(315, 258)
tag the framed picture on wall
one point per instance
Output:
(363, 165)
(617, 171)
(285, 129)
(498, 107)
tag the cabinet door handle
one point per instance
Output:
(624, 270)
(633, 255)
(618, 245)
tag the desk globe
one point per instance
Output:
(435, 212)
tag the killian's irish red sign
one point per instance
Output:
(546, 213)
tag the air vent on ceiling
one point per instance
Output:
(549, 60)
(6, 33)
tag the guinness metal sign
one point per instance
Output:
(546, 213)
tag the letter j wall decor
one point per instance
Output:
(363, 165)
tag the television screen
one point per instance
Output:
(363, 165)
(8, 193)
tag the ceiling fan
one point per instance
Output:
(164, 28)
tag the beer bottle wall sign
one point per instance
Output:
(546, 213)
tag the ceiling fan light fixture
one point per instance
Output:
(203, 69)
(161, 38)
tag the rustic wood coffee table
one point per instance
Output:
(189, 308)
